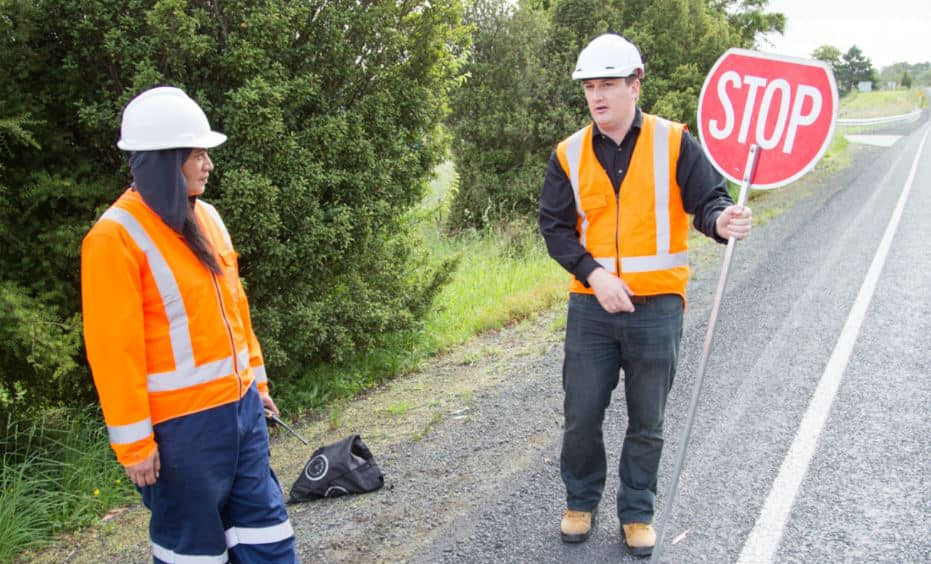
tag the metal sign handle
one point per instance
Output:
(277, 420)
(705, 353)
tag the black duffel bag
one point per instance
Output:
(342, 468)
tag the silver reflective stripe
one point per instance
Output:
(574, 157)
(661, 184)
(259, 373)
(177, 379)
(172, 557)
(179, 332)
(649, 263)
(212, 211)
(258, 535)
(125, 434)
(607, 262)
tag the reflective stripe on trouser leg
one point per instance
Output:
(257, 525)
(190, 502)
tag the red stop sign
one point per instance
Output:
(786, 106)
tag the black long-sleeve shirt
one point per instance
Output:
(704, 194)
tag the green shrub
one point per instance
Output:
(331, 108)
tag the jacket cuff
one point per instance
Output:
(584, 269)
(714, 228)
(134, 453)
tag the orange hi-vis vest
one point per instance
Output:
(640, 234)
(165, 336)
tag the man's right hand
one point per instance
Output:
(145, 473)
(613, 293)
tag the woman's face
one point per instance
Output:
(196, 169)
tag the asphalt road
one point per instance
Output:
(864, 494)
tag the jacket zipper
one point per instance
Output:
(617, 233)
(229, 331)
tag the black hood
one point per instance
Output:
(158, 178)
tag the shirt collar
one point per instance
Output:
(636, 124)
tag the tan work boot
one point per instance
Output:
(576, 525)
(639, 538)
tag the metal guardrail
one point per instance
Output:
(887, 120)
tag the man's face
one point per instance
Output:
(196, 169)
(611, 101)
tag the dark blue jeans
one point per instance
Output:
(645, 344)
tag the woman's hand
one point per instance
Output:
(145, 473)
(269, 404)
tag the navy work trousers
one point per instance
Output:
(216, 498)
(645, 345)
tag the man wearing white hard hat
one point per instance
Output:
(614, 213)
(169, 340)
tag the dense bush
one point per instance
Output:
(519, 99)
(497, 135)
(331, 108)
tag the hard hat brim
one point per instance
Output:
(606, 73)
(208, 141)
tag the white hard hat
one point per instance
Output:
(165, 118)
(608, 55)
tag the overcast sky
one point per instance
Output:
(887, 31)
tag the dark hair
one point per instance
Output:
(629, 79)
(196, 240)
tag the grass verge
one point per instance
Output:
(503, 275)
(58, 474)
(880, 103)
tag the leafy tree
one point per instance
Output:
(331, 108)
(749, 18)
(854, 68)
(497, 144)
(828, 54)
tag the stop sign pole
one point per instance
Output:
(793, 122)
(705, 353)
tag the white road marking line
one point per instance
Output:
(764, 539)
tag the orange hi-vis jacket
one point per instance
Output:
(165, 336)
(640, 234)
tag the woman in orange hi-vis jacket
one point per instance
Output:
(169, 339)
